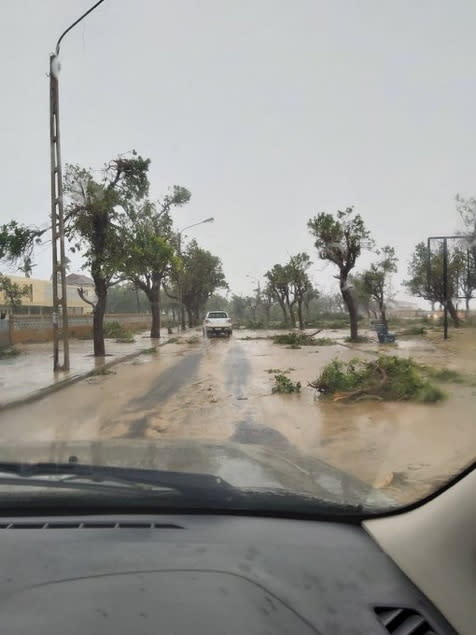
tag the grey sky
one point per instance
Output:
(267, 110)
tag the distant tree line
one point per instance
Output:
(288, 296)
(132, 251)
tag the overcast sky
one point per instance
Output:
(269, 111)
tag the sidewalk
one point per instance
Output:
(30, 374)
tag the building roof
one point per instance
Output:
(79, 279)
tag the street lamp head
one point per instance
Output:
(55, 65)
(209, 220)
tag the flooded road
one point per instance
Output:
(220, 390)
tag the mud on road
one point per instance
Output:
(220, 389)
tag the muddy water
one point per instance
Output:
(220, 389)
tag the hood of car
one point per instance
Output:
(243, 466)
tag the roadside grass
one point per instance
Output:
(115, 330)
(333, 325)
(446, 375)
(412, 331)
(388, 378)
(284, 385)
(152, 350)
(324, 341)
(103, 371)
(279, 371)
(195, 339)
(127, 339)
(8, 353)
(360, 339)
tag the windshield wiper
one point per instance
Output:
(186, 491)
(124, 480)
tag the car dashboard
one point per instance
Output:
(203, 574)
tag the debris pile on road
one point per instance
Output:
(283, 384)
(389, 378)
(296, 340)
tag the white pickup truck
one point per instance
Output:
(217, 323)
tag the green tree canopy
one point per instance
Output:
(278, 284)
(299, 282)
(340, 240)
(93, 211)
(202, 275)
(148, 244)
(374, 282)
(12, 292)
(425, 277)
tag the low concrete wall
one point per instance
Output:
(30, 328)
(4, 333)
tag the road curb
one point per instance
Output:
(69, 381)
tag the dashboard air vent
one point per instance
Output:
(98, 524)
(405, 621)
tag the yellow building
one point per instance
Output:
(40, 298)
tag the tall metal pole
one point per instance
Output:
(60, 301)
(60, 304)
(180, 290)
(445, 287)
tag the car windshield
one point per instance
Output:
(237, 249)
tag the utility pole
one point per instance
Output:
(60, 300)
(446, 295)
(445, 287)
(181, 306)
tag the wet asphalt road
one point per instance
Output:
(220, 390)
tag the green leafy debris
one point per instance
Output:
(9, 352)
(283, 384)
(389, 378)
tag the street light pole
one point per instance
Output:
(180, 289)
(180, 279)
(60, 308)
(60, 302)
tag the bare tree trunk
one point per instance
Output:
(383, 315)
(182, 317)
(453, 313)
(98, 317)
(155, 325)
(351, 306)
(291, 313)
(190, 316)
(154, 299)
(300, 315)
(467, 299)
(267, 311)
(285, 314)
(196, 317)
